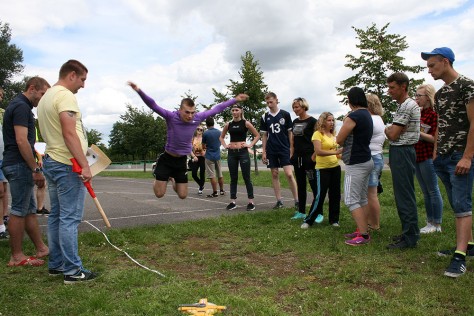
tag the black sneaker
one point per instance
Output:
(43, 211)
(397, 238)
(250, 207)
(6, 218)
(231, 206)
(402, 244)
(213, 195)
(278, 205)
(222, 192)
(456, 268)
(80, 276)
(4, 235)
(54, 272)
(450, 252)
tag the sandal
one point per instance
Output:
(213, 195)
(30, 261)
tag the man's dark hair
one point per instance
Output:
(70, 66)
(399, 78)
(188, 102)
(210, 121)
(37, 82)
(356, 97)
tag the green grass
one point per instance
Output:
(258, 263)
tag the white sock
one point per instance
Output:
(2, 228)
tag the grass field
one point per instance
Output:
(257, 263)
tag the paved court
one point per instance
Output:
(131, 202)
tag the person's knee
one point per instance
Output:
(275, 173)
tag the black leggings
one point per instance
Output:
(304, 169)
(201, 166)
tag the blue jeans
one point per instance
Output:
(426, 175)
(66, 194)
(20, 178)
(234, 157)
(458, 187)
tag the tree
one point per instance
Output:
(379, 57)
(11, 58)
(139, 134)
(94, 137)
(252, 84)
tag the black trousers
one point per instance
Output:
(328, 182)
(305, 173)
(200, 166)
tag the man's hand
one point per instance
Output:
(38, 179)
(241, 97)
(463, 166)
(86, 174)
(133, 85)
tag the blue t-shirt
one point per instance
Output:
(210, 138)
(18, 113)
(357, 144)
(277, 127)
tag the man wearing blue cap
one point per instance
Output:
(454, 150)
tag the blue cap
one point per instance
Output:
(446, 52)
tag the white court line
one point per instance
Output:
(164, 213)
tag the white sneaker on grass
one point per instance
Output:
(428, 229)
(305, 226)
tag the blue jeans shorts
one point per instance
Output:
(378, 167)
(21, 182)
(458, 187)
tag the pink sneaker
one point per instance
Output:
(357, 241)
(352, 235)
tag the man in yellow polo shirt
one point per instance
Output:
(60, 122)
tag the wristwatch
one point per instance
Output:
(37, 170)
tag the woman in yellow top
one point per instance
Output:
(198, 159)
(328, 171)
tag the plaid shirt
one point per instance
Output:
(424, 150)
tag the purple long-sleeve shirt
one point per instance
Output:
(179, 133)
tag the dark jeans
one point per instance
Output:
(304, 169)
(200, 166)
(328, 180)
(234, 158)
(402, 163)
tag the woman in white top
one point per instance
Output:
(376, 149)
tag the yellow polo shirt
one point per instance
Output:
(56, 100)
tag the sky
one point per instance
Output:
(169, 47)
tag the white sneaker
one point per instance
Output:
(438, 229)
(305, 226)
(428, 229)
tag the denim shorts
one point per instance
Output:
(2, 176)
(21, 182)
(458, 187)
(378, 167)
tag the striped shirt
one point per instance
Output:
(407, 115)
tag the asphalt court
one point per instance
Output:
(131, 202)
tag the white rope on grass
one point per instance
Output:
(135, 261)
